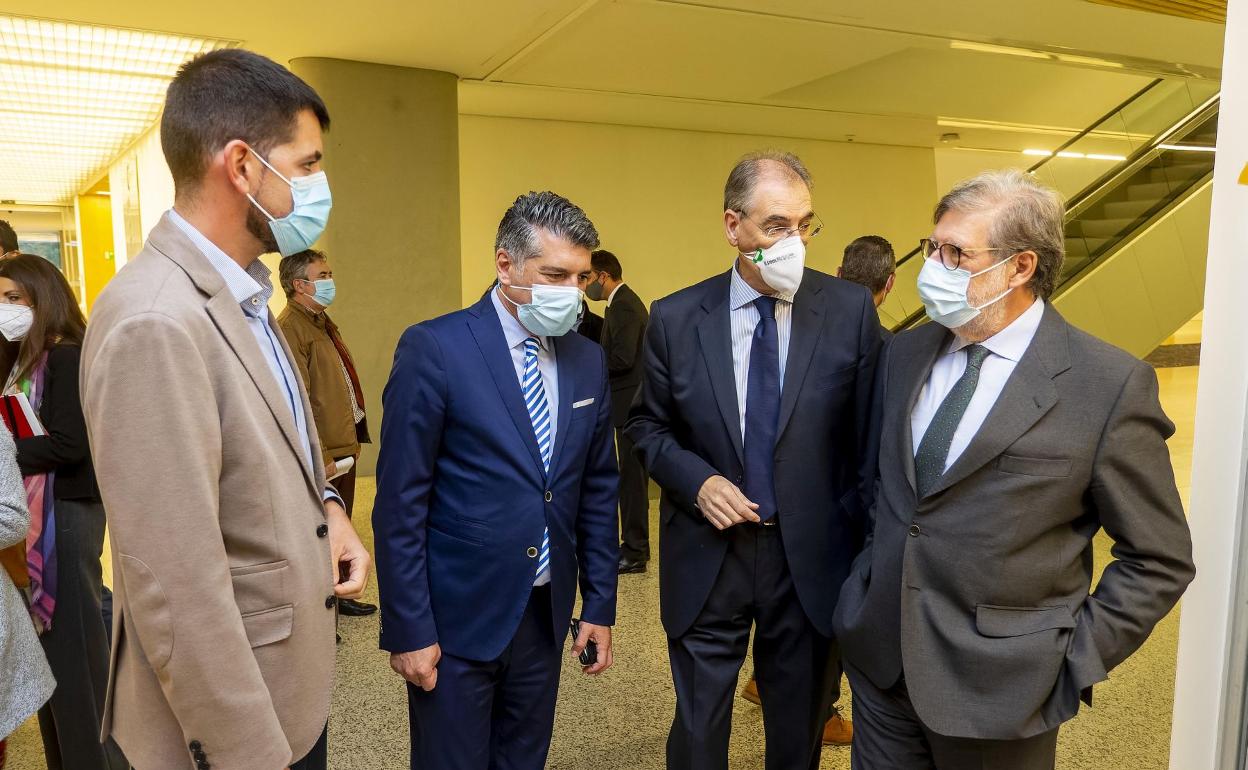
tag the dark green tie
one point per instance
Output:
(929, 461)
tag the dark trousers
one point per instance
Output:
(318, 757)
(794, 664)
(76, 647)
(345, 484)
(888, 735)
(492, 715)
(634, 502)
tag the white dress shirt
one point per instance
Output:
(1005, 349)
(745, 318)
(516, 334)
(251, 288)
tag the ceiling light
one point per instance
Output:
(1089, 60)
(1039, 153)
(74, 96)
(1188, 147)
(1069, 154)
(964, 45)
(1101, 156)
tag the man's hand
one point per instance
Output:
(601, 635)
(723, 504)
(347, 554)
(419, 667)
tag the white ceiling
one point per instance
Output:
(1003, 75)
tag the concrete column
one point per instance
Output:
(392, 157)
(1209, 703)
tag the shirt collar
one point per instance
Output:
(1012, 341)
(611, 296)
(513, 330)
(251, 288)
(741, 293)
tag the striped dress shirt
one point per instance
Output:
(745, 317)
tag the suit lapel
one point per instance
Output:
(567, 386)
(715, 339)
(807, 326)
(932, 339)
(488, 333)
(230, 320)
(1028, 395)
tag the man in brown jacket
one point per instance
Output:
(329, 374)
(229, 548)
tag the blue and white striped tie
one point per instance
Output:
(539, 412)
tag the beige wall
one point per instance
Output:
(656, 195)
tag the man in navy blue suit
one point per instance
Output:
(754, 420)
(496, 488)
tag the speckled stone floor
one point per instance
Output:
(619, 721)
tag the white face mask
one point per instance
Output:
(553, 311)
(944, 293)
(782, 264)
(15, 321)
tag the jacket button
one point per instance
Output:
(532, 552)
(914, 530)
(549, 496)
(196, 747)
(322, 530)
(330, 602)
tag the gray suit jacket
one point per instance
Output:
(979, 592)
(26, 683)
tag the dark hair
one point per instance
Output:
(550, 211)
(58, 319)
(295, 268)
(869, 261)
(739, 188)
(226, 95)
(8, 238)
(604, 261)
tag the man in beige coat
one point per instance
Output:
(229, 548)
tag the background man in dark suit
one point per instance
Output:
(753, 418)
(967, 627)
(623, 331)
(496, 490)
(869, 261)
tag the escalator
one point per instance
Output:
(1136, 233)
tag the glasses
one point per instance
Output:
(806, 230)
(950, 255)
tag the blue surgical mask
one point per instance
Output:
(943, 293)
(552, 312)
(325, 291)
(311, 202)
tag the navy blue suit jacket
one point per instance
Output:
(462, 497)
(686, 427)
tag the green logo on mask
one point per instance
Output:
(758, 256)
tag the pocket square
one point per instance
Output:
(580, 404)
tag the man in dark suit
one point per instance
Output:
(754, 420)
(590, 324)
(869, 261)
(622, 334)
(496, 488)
(968, 627)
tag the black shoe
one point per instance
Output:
(631, 566)
(352, 608)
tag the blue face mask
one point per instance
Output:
(943, 293)
(311, 202)
(553, 311)
(325, 291)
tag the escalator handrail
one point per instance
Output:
(1085, 132)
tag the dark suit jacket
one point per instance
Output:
(686, 425)
(65, 448)
(591, 324)
(622, 335)
(462, 496)
(980, 590)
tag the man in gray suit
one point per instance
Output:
(967, 625)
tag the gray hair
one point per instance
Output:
(295, 268)
(1027, 216)
(745, 175)
(517, 233)
(869, 261)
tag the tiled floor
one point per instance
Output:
(619, 722)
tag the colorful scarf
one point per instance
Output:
(41, 537)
